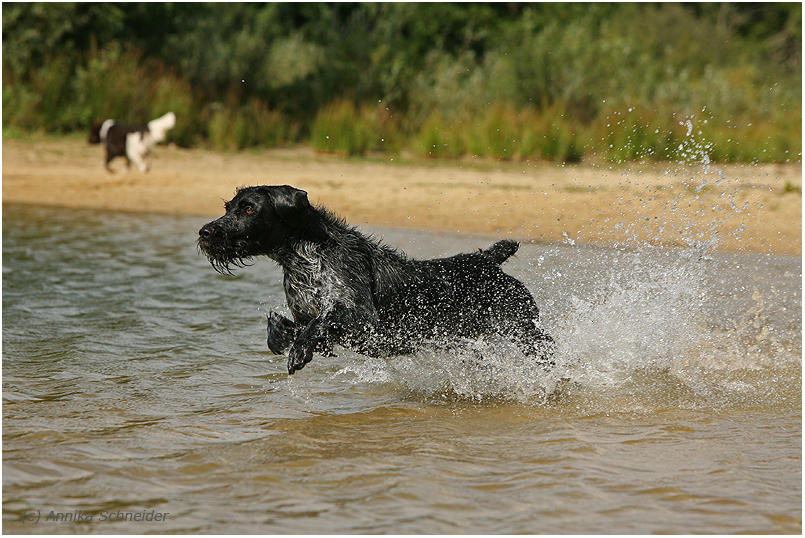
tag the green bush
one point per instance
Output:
(172, 94)
(495, 132)
(341, 128)
(440, 138)
(236, 127)
(112, 84)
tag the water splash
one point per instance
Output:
(641, 317)
(478, 370)
(643, 338)
(647, 316)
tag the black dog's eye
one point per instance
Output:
(248, 209)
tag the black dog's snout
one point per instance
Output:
(206, 231)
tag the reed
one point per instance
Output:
(236, 127)
(111, 84)
(343, 128)
(439, 138)
(336, 129)
(226, 128)
(502, 131)
(496, 132)
(172, 94)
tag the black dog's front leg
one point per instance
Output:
(281, 332)
(301, 351)
(350, 327)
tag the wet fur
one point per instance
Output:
(345, 288)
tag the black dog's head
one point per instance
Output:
(258, 220)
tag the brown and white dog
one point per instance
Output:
(133, 142)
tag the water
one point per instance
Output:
(136, 381)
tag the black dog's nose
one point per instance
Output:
(205, 231)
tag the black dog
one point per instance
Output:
(345, 288)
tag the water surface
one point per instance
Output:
(136, 380)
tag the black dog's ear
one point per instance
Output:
(291, 205)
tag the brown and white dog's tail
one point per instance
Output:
(97, 132)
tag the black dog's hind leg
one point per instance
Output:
(534, 342)
(518, 317)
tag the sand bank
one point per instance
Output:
(748, 208)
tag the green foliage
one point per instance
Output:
(341, 128)
(503, 132)
(34, 33)
(546, 81)
(237, 127)
(440, 138)
(639, 133)
(111, 84)
(170, 93)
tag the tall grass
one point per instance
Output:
(236, 127)
(339, 128)
(504, 132)
(172, 94)
(343, 128)
(440, 138)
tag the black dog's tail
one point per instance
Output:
(502, 250)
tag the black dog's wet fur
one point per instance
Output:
(348, 289)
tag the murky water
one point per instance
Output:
(137, 386)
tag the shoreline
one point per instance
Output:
(748, 208)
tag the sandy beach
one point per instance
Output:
(747, 208)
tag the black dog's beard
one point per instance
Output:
(223, 257)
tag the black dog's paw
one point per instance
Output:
(281, 333)
(299, 356)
